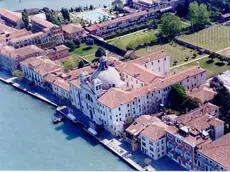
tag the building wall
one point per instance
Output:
(32, 75)
(160, 66)
(76, 35)
(60, 92)
(8, 64)
(154, 149)
(178, 150)
(55, 55)
(203, 163)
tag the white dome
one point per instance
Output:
(109, 77)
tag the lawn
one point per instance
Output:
(212, 68)
(84, 50)
(175, 51)
(123, 41)
(214, 38)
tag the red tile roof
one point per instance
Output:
(15, 17)
(114, 97)
(149, 58)
(218, 151)
(72, 28)
(154, 132)
(203, 93)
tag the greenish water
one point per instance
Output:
(54, 4)
(29, 140)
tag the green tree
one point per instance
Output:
(170, 25)
(25, 19)
(182, 8)
(89, 42)
(81, 64)
(70, 44)
(70, 63)
(191, 103)
(17, 73)
(100, 52)
(77, 43)
(117, 4)
(51, 18)
(177, 96)
(65, 14)
(198, 14)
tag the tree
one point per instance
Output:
(198, 14)
(191, 103)
(91, 7)
(81, 64)
(182, 8)
(117, 4)
(25, 19)
(70, 44)
(89, 42)
(51, 18)
(17, 73)
(221, 99)
(177, 96)
(170, 25)
(212, 56)
(215, 14)
(69, 63)
(65, 14)
(100, 52)
(77, 43)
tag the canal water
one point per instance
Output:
(53, 4)
(30, 141)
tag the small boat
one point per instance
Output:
(57, 119)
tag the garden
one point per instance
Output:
(214, 38)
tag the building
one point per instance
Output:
(73, 31)
(152, 4)
(12, 19)
(132, 91)
(192, 131)
(215, 156)
(133, 131)
(203, 93)
(36, 68)
(7, 33)
(40, 25)
(153, 140)
(57, 52)
(46, 39)
(120, 23)
(11, 57)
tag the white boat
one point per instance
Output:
(92, 131)
(71, 117)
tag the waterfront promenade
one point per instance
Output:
(115, 145)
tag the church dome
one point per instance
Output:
(108, 75)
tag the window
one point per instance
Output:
(151, 149)
(187, 156)
(187, 147)
(150, 142)
(178, 151)
(143, 138)
(178, 141)
(169, 136)
(143, 144)
(119, 109)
